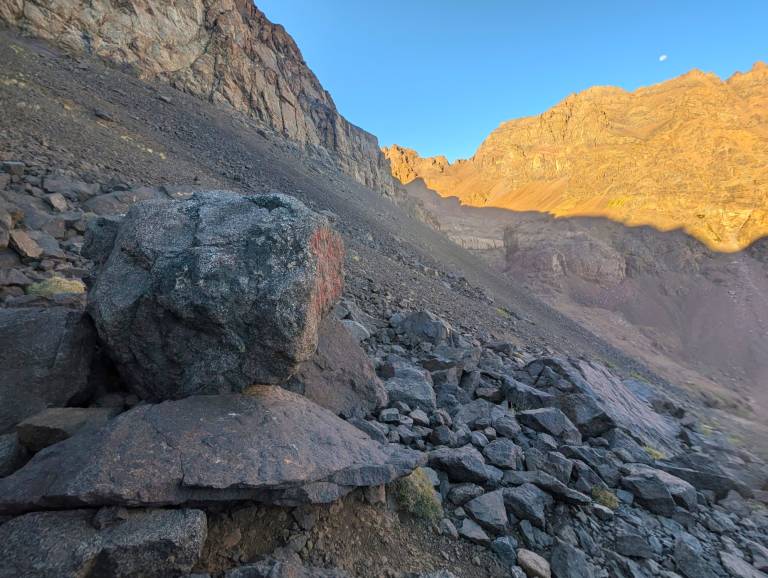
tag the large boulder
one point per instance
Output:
(214, 293)
(340, 376)
(45, 358)
(658, 490)
(110, 542)
(270, 446)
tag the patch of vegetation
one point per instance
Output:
(416, 495)
(503, 313)
(654, 453)
(56, 285)
(605, 497)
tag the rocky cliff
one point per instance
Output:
(225, 51)
(690, 152)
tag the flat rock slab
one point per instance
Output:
(270, 446)
(110, 542)
(56, 424)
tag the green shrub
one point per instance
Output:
(654, 453)
(56, 285)
(416, 495)
(605, 497)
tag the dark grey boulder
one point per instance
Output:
(56, 424)
(505, 547)
(506, 425)
(528, 502)
(119, 202)
(460, 494)
(549, 484)
(270, 446)
(214, 293)
(657, 490)
(473, 532)
(586, 414)
(45, 359)
(568, 561)
(340, 376)
(464, 464)
(111, 542)
(704, 473)
(503, 453)
(412, 386)
(552, 421)
(12, 454)
(558, 466)
(523, 396)
(423, 326)
(489, 511)
(632, 545)
(689, 558)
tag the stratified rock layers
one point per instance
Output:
(689, 152)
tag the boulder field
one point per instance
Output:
(215, 363)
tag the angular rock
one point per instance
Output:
(460, 494)
(120, 202)
(569, 562)
(45, 359)
(523, 396)
(12, 454)
(414, 387)
(549, 484)
(689, 558)
(633, 545)
(424, 326)
(489, 511)
(464, 464)
(214, 293)
(24, 245)
(552, 421)
(56, 424)
(506, 426)
(292, 567)
(657, 490)
(586, 414)
(340, 376)
(270, 446)
(558, 466)
(112, 542)
(528, 502)
(533, 565)
(738, 567)
(473, 532)
(505, 547)
(503, 453)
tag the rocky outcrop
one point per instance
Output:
(663, 155)
(213, 293)
(225, 51)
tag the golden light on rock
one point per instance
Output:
(689, 153)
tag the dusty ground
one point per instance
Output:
(363, 539)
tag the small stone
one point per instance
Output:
(14, 168)
(602, 512)
(389, 415)
(419, 417)
(505, 548)
(534, 565)
(57, 201)
(24, 245)
(633, 545)
(474, 533)
(489, 511)
(447, 528)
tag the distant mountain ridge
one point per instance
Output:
(691, 153)
(224, 51)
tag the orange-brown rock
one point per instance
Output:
(688, 153)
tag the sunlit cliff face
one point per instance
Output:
(689, 153)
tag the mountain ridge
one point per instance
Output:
(611, 153)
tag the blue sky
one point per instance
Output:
(439, 75)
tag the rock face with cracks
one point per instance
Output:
(270, 446)
(215, 293)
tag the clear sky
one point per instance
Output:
(439, 75)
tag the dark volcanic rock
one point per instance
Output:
(528, 502)
(11, 454)
(340, 376)
(45, 357)
(552, 421)
(56, 424)
(214, 293)
(569, 562)
(489, 511)
(270, 446)
(112, 542)
(464, 464)
(586, 414)
(423, 326)
(290, 568)
(412, 386)
(657, 490)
